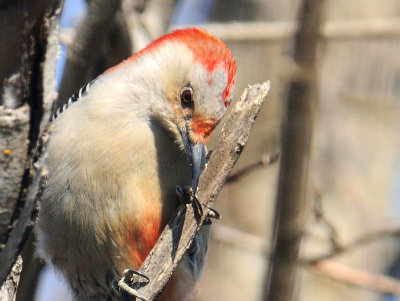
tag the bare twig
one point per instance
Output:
(356, 277)
(366, 239)
(266, 159)
(325, 268)
(320, 216)
(244, 240)
(337, 247)
(293, 181)
(177, 236)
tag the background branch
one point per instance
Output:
(356, 277)
(179, 233)
(266, 159)
(366, 239)
(290, 214)
(150, 24)
(82, 52)
(327, 268)
(319, 214)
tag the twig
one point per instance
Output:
(179, 233)
(244, 240)
(266, 159)
(291, 205)
(320, 216)
(323, 267)
(356, 277)
(368, 238)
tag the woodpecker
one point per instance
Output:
(118, 150)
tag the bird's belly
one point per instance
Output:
(146, 208)
(140, 235)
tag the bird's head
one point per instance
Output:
(192, 77)
(199, 90)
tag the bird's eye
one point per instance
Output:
(187, 98)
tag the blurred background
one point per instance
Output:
(353, 221)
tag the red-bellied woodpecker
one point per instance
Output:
(116, 156)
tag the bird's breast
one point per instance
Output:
(149, 198)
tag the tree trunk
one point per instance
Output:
(29, 31)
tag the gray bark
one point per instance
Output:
(29, 31)
(8, 290)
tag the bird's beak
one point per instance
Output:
(195, 154)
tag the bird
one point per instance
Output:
(118, 149)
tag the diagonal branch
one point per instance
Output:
(179, 233)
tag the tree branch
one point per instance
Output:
(320, 217)
(81, 54)
(366, 239)
(323, 267)
(179, 233)
(150, 24)
(356, 277)
(291, 204)
(266, 159)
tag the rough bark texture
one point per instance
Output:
(27, 72)
(8, 290)
(179, 233)
(290, 214)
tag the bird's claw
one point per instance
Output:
(187, 197)
(185, 194)
(128, 280)
(212, 214)
(129, 273)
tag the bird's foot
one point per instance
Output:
(212, 214)
(128, 284)
(186, 197)
(185, 194)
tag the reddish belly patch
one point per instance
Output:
(142, 235)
